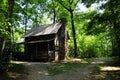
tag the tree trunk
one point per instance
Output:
(2, 47)
(9, 17)
(74, 34)
(10, 10)
(54, 12)
(26, 18)
(117, 38)
(4, 59)
(54, 16)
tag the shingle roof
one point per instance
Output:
(43, 30)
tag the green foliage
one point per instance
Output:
(5, 34)
(4, 27)
(68, 4)
(88, 3)
(87, 46)
(108, 23)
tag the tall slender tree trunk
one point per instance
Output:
(54, 16)
(2, 47)
(26, 18)
(9, 17)
(54, 12)
(74, 34)
(4, 59)
(10, 9)
(117, 38)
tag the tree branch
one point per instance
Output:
(76, 3)
(70, 1)
(64, 5)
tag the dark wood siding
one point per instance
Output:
(40, 51)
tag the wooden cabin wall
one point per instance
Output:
(51, 51)
(56, 42)
(29, 51)
(39, 51)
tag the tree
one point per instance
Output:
(8, 21)
(70, 6)
(109, 19)
(4, 54)
(113, 11)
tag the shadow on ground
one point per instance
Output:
(14, 72)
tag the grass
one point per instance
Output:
(89, 60)
(98, 74)
(14, 72)
(59, 68)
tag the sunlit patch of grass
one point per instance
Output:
(58, 68)
(14, 72)
(108, 74)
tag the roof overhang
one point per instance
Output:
(39, 41)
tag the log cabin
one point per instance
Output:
(47, 42)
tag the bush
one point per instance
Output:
(90, 52)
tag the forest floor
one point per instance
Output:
(40, 71)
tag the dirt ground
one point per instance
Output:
(38, 71)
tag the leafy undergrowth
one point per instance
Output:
(14, 72)
(59, 68)
(109, 74)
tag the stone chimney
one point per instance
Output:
(63, 40)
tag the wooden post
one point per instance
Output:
(62, 40)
